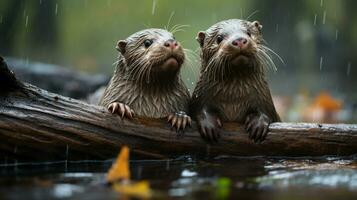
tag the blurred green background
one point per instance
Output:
(317, 39)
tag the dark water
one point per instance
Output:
(187, 178)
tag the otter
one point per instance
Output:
(232, 85)
(146, 80)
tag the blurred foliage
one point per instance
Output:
(316, 38)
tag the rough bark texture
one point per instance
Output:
(38, 125)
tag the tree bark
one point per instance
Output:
(39, 125)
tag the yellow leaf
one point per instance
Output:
(140, 189)
(120, 168)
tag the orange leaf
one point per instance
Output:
(120, 168)
(140, 189)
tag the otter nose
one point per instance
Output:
(240, 42)
(171, 43)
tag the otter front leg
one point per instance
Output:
(209, 126)
(122, 109)
(257, 126)
(179, 120)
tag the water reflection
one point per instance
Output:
(66, 190)
(188, 178)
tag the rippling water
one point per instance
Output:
(188, 178)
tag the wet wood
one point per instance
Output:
(39, 125)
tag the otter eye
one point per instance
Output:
(147, 43)
(219, 39)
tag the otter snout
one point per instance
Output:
(171, 44)
(240, 42)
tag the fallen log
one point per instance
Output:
(39, 125)
(57, 79)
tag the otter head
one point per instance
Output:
(151, 55)
(231, 46)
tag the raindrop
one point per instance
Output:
(348, 68)
(154, 2)
(321, 62)
(277, 28)
(40, 1)
(315, 19)
(322, 3)
(56, 9)
(336, 34)
(15, 166)
(67, 151)
(15, 150)
(324, 18)
(27, 20)
(66, 162)
(109, 3)
(167, 165)
(27, 61)
(192, 83)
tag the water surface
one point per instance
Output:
(188, 178)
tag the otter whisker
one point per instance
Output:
(190, 65)
(266, 59)
(148, 74)
(207, 67)
(178, 28)
(167, 27)
(273, 52)
(269, 60)
(136, 70)
(189, 51)
(116, 62)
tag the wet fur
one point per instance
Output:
(139, 84)
(233, 94)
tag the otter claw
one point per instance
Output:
(122, 109)
(179, 120)
(257, 127)
(209, 128)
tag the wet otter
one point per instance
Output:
(232, 84)
(147, 80)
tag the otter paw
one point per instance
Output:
(122, 109)
(179, 120)
(257, 127)
(209, 129)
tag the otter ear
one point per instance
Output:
(257, 25)
(201, 37)
(121, 46)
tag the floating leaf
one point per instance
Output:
(120, 168)
(223, 188)
(140, 189)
